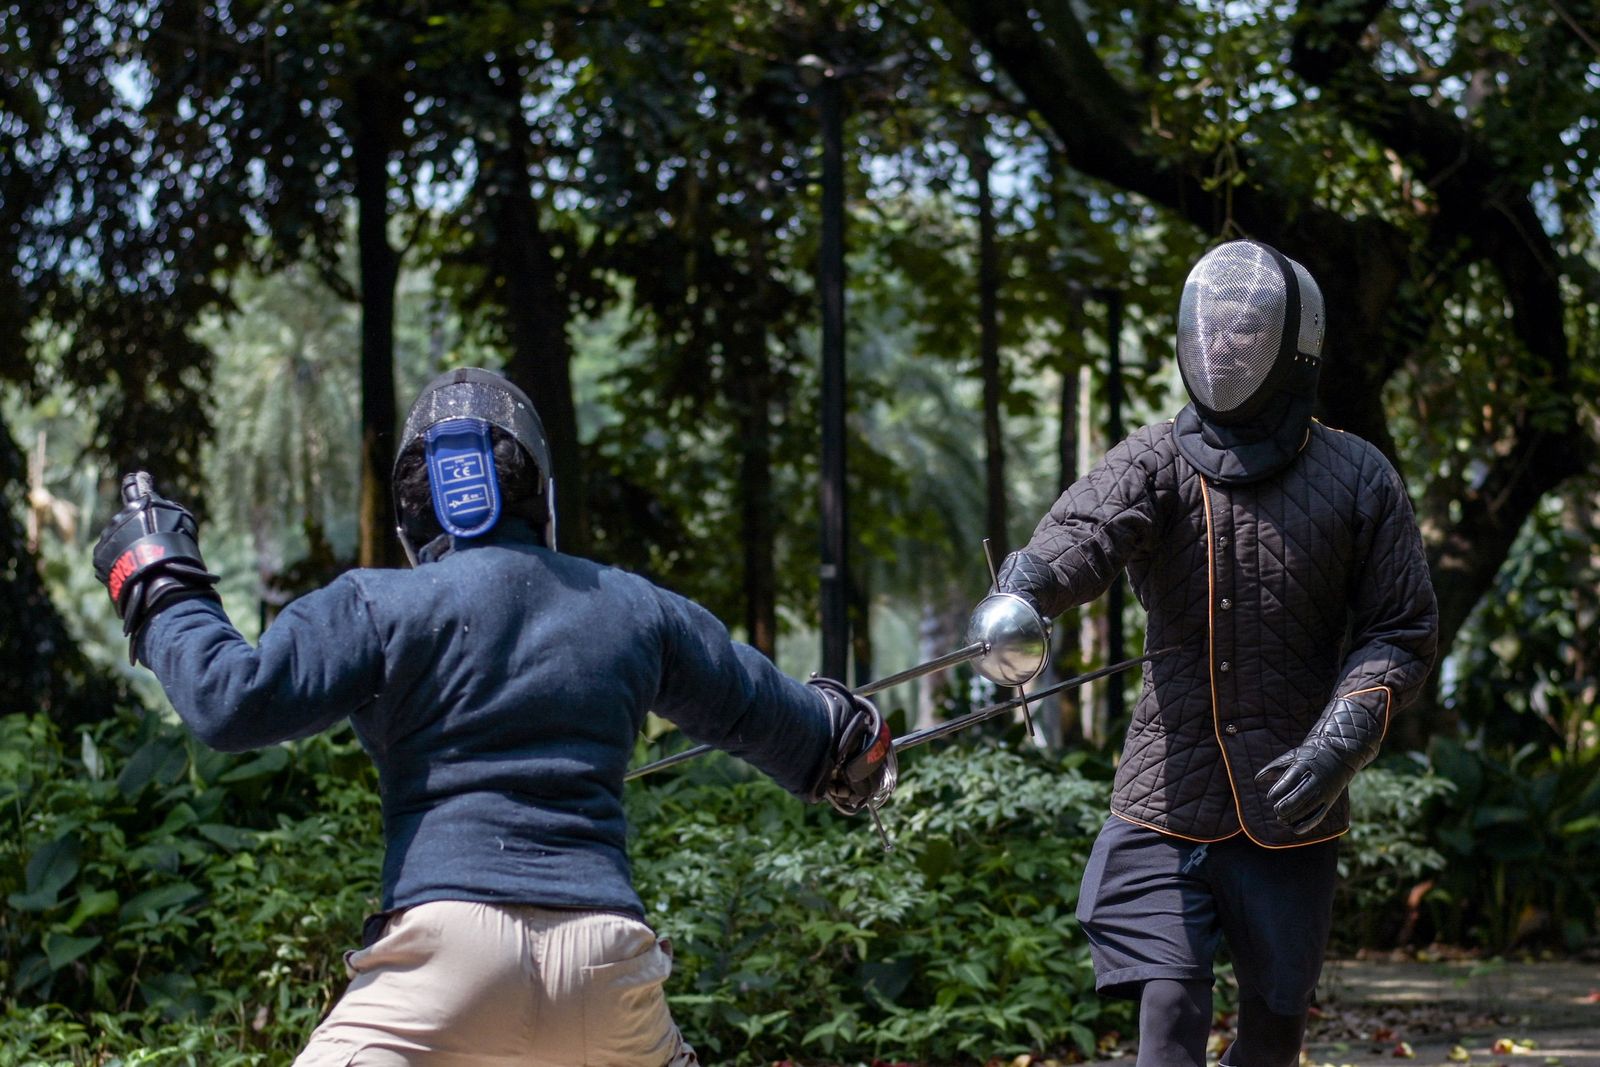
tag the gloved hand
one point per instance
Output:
(861, 766)
(1025, 575)
(148, 556)
(1307, 779)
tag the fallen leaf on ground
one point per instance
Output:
(1511, 1046)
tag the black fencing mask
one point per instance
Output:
(449, 429)
(1250, 327)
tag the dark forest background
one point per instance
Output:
(236, 236)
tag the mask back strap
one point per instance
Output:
(461, 476)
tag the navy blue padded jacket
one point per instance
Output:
(499, 690)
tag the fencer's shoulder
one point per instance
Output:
(1347, 444)
(1354, 458)
(1154, 440)
(1152, 448)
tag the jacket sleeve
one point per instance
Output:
(1394, 620)
(729, 695)
(1089, 534)
(318, 662)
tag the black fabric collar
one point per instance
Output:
(509, 530)
(1249, 452)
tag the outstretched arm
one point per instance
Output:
(1089, 534)
(318, 662)
(729, 695)
(817, 740)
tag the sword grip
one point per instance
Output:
(137, 485)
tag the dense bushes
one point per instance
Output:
(151, 884)
(800, 936)
(1521, 833)
(150, 881)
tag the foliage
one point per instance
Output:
(1524, 671)
(150, 881)
(1521, 832)
(1388, 851)
(798, 936)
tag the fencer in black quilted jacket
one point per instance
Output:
(1281, 559)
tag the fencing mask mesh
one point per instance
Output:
(1250, 330)
(1235, 310)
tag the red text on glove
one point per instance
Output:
(130, 561)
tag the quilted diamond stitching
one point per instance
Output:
(1327, 547)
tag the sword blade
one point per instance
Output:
(923, 736)
(949, 659)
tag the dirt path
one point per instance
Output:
(1480, 1012)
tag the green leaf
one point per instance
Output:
(161, 759)
(62, 949)
(92, 761)
(232, 838)
(153, 901)
(90, 905)
(268, 763)
(180, 818)
(49, 870)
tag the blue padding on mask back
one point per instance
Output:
(466, 493)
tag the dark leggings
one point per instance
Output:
(1266, 1039)
(1175, 1023)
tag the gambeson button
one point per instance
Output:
(1222, 541)
(1231, 729)
(1224, 666)
(1226, 605)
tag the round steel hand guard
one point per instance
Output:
(1015, 637)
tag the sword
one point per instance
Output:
(943, 729)
(949, 659)
(973, 718)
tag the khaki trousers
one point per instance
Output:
(456, 984)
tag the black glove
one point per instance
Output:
(1312, 775)
(1026, 576)
(148, 556)
(861, 769)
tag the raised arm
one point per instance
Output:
(1089, 534)
(318, 662)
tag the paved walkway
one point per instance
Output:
(1472, 1011)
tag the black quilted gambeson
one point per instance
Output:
(1281, 596)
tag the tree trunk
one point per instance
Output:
(379, 265)
(989, 353)
(751, 396)
(45, 670)
(1064, 638)
(861, 622)
(535, 307)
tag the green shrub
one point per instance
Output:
(169, 904)
(1387, 851)
(798, 936)
(150, 882)
(1521, 832)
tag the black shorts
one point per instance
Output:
(1155, 906)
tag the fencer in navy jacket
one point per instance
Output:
(498, 687)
